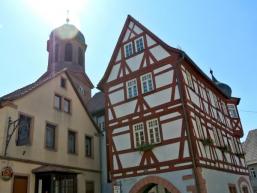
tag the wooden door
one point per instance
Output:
(20, 184)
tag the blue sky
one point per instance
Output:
(221, 35)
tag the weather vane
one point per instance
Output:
(67, 19)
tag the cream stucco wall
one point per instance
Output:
(39, 104)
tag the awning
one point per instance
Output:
(53, 169)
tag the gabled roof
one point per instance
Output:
(128, 20)
(250, 147)
(162, 43)
(96, 103)
(41, 81)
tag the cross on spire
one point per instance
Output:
(67, 18)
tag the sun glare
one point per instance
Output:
(54, 12)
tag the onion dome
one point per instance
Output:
(68, 32)
(222, 86)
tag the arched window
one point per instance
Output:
(80, 57)
(56, 52)
(68, 52)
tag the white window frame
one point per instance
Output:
(232, 111)
(139, 134)
(132, 84)
(189, 80)
(139, 46)
(128, 51)
(148, 80)
(199, 127)
(153, 130)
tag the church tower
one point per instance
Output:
(66, 47)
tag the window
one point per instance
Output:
(66, 105)
(139, 44)
(71, 142)
(224, 108)
(63, 83)
(232, 188)
(132, 88)
(189, 80)
(245, 189)
(89, 146)
(24, 130)
(68, 52)
(232, 111)
(128, 49)
(199, 127)
(80, 57)
(58, 102)
(139, 135)
(56, 53)
(81, 90)
(50, 136)
(153, 131)
(90, 187)
(252, 173)
(147, 83)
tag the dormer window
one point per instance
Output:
(139, 44)
(80, 57)
(128, 49)
(232, 111)
(68, 52)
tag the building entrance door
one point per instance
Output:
(20, 184)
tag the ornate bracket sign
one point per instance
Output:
(6, 173)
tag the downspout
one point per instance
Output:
(190, 143)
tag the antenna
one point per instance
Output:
(67, 18)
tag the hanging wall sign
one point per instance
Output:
(6, 173)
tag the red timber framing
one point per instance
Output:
(175, 103)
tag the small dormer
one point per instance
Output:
(66, 47)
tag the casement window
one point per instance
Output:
(80, 57)
(147, 83)
(128, 49)
(66, 105)
(132, 88)
(88, 146)
(24, 130)
(232, 188)
(90, 187)
(63, 82)
(72, 142)
(189, 80)
(216, 137)
(232, 111)
(153, 131)
(139, 44)
(58, 102)
(252, 173)
(199, 127)
(50, 135)
(139, 134)
(245, 189)
(224, 108)
(68, 52)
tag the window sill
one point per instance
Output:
(51, 149)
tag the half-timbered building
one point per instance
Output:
(170, 127)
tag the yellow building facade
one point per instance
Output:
(48, 141)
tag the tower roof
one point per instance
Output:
(68, 31)
(226, 89)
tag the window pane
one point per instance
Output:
(24, 130)
(50, 136)
(90, 187)
(57, 102)
(89, 146)
(71, 142)
(66, 105)
(68, 52)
